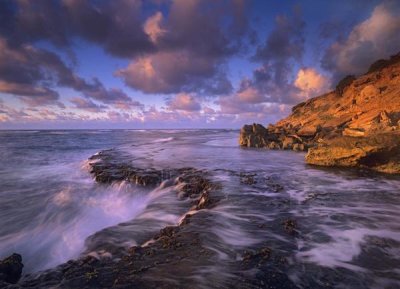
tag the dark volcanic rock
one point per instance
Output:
(290, 226)
(11, 268)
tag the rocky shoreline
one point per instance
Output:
(173, 251)
(356, 125)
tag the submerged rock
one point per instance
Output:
(290, 226)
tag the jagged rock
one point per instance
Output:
(253, 135)
(11, 268)
(259, 129)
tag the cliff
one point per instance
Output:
(356, 125)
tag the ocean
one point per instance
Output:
(346, 223)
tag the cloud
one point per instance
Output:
(21, 76)
(244, 112)
(193, 44)
(182, 46)
(286, 40)
(31, 74)
(376, 37)
(87, 105)
(113, 96)
(173, 72)
(272, 81)
(311, 83)
(184, 102)
(250, 94)
(152, 27)
(115, 25)
(8, 113)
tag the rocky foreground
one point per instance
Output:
(356, 125)
(173, 251)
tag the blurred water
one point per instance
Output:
(51, 210)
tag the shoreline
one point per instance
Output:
(356, 125)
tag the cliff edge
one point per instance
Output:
(356, 125)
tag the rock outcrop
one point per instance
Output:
(380, 152)
(355, 125)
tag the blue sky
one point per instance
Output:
(182, 63)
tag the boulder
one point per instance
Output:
(11, 268)
(353, 132)
(253, 136)
(308, 131)
(259, 129)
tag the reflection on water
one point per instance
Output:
(348, 222)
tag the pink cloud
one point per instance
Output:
(310, 83)
(184, 102)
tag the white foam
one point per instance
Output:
(161, 140)
(344, 247)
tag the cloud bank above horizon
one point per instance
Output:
(180, 63)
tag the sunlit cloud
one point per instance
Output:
(184, 102)
(311, 83)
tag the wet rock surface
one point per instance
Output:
(341, 128)
(174, 251)
(11, 269)
(208, 247)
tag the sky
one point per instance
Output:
(141, 64)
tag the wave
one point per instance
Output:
(160, 140)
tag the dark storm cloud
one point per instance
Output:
(204, 27)
(115, 25)
(208, 28)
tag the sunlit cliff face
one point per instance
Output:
(143, 64)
